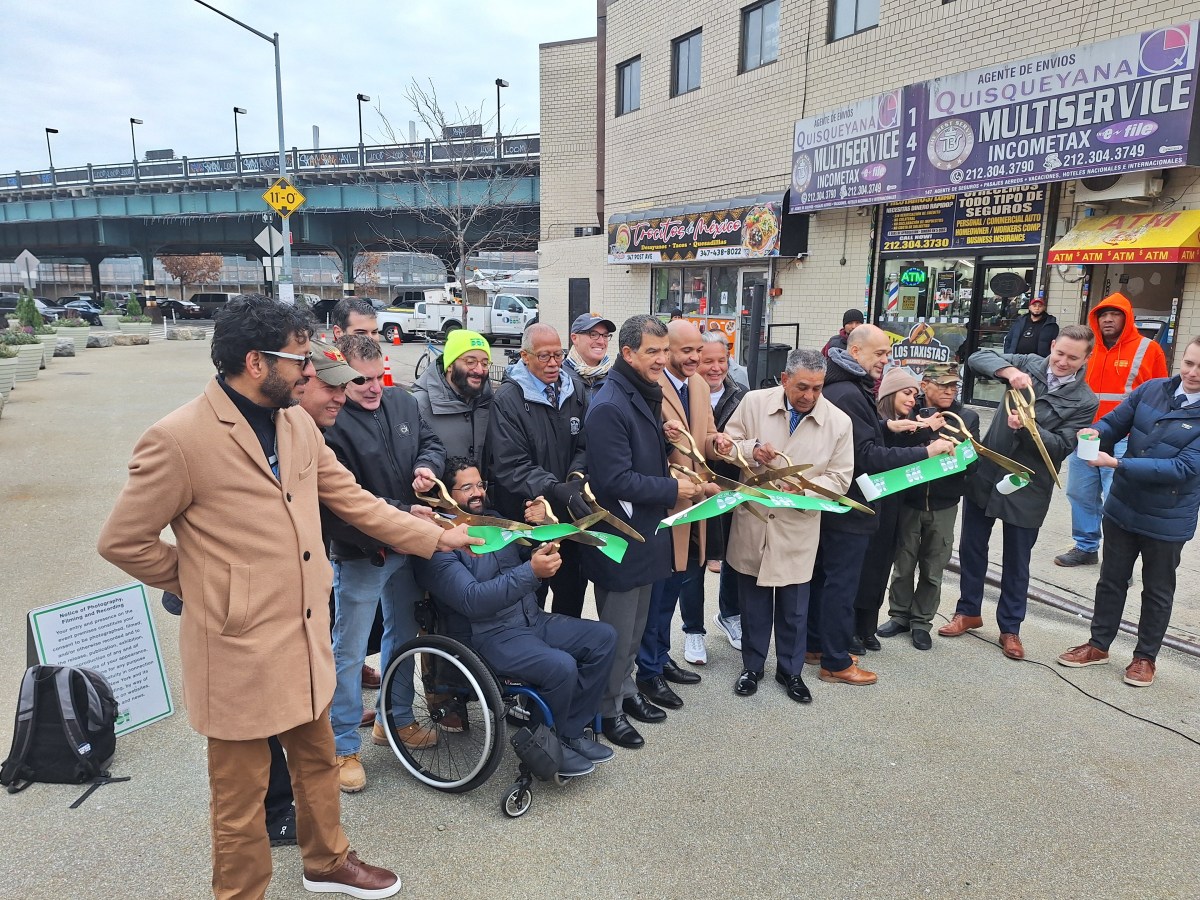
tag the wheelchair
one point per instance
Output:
(470, 705)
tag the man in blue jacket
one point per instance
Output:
(1150, 511)
(567, 660)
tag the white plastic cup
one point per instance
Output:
(867, 486)
(1011, 483)
(1089, 447)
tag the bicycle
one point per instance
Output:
(432, 351)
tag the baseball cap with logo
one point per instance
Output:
(331, 365)
(461, 341)
(942, 373)
(590, 320)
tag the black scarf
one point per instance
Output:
(651, 391)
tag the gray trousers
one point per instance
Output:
(625, 611)
(924, 540)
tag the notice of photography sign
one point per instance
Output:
(113, 633)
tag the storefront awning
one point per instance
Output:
(1172, 237)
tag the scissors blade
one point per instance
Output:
(835, 496)
(586, 522)
(625, 529)
(769, 475)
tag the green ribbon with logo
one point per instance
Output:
(496, 538)
(882, 484)
(726, 501)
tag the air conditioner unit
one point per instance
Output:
(1105, 188)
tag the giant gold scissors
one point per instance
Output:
(957, 432)
(597, 509)
(702, 473)
(1016, 401)
(792, 475)
(443, 501)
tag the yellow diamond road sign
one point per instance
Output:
(284, 197)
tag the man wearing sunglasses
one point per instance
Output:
(239, 475)
(536, 440)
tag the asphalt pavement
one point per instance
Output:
(961, 773)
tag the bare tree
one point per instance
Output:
(200, 269)
(466, 194)
(366, 267)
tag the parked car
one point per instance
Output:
(212, 302)
(50, 312)
(85, 309)
(181, 309)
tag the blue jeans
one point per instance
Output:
(655, 644)
(360, 587)
(1087, 489)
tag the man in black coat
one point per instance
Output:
(535, 440)
(849, 385)
(627, 466)
(1032, 332)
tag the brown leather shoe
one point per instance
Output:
(960, 624)
(1140, 672)
(367, 719)
(1083, 655)
(370, 677)
(414, 736)
(1011, 645)
(363, 880)
(814, 659)
(852, 675)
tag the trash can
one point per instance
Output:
(772, 359)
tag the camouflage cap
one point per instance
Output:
(942, 373)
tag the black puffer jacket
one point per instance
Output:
(532, 446)
(851, 390)
(381, 448)
(942, 493)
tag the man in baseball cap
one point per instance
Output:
(325, 395)
(589, 357)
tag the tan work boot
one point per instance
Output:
(352, 778)
(414, 736)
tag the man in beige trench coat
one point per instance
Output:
(774, 559)
(238, 474)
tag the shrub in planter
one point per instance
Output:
(73, 322)
(133, 313)
(17, 338)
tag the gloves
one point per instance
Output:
(567, 495)
(172, 603)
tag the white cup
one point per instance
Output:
(1011, 483)
(1089, 447)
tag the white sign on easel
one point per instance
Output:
(113, 633)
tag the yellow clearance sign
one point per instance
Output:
(1172, 237)
(284, 197)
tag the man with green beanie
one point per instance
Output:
(455, 394)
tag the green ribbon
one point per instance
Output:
(728, 500)
(893, 481)
(496, 538)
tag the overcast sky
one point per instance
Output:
(87, 67)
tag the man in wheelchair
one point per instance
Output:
(566, 660)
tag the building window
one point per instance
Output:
(685, 63)
(629, 86)
(849, 17)
(760, 34)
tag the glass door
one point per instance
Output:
(1001, 293)
(748, 279)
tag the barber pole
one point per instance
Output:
(387, 373)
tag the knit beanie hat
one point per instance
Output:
(461, 341)
(897, 378)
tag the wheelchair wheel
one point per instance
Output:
(517, 801)
(458, 761)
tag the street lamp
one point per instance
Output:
(285, 292)
(237, 147)
(500, 83)
(53, 177)
(362, 98)
(133, 140)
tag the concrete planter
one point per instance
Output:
(8, 375)
(110, 323)
(136, 327)
(78, 335)
(29, 360)
(49, 342)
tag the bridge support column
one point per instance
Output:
(347, 254)
(148, 289)
(94, 265)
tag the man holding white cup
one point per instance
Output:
(1063, 405)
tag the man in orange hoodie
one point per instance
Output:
(1122, 360)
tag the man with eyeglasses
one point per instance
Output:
(589, 357)
(536, 440)
(239, 474)
(381, 438)
(455, 394)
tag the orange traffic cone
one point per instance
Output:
(395, 338)
(387, 373)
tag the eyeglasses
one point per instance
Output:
(597, 335)
(477, 486)
(304, 359)
(545, 357)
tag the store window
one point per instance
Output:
(629, 86)
(705, 295)
(685, 63)
(760, 34)
(847, 17)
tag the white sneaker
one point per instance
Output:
(693, 649)
(732, 628)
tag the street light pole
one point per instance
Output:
(285, 291)
(500, 83)
(237, 147)
(133, 140)
(53, 177)
(362, 98)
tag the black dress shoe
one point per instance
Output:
(676, 675)
(660, 692)
(891, 628)
(747, 683)
(922, 641)
(638, 707)
(618, 731)
(856, 646)
(871, 642)
(796, 688)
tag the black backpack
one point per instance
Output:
(65, 731)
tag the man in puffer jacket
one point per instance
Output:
(1150, 511)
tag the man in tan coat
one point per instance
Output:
(238, 474)
(774, 560)
(686, 407)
